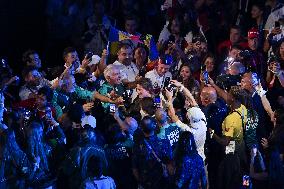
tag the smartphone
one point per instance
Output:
(246, 181)
(167, 81)
(157, 101)
(277, 24)
(205, 77)
(171, 87)
(89, 55)
(112, 108)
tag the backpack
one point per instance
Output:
(249, 127)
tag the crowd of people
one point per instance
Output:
(206, 112)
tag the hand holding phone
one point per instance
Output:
(112, 108)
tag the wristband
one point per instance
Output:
(211, 133)
(260, 91)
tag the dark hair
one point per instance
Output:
(27, 70)
(87, 134)
(180, 20)
(76, 112)
(236, 27)
(191, 81)
(145, 83)
(131, 17)
(259, 5)
(147, 105)
(238, 93)
(68, 50)
(46, 91)
(115, 134)
(148, 124)
(207, 56)
(26, 55)
(185, 146)
(94, 167)
(124, 46)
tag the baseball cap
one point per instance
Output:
(253, 33)
(195, 115)
(89, 120)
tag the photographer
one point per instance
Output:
(275, 75)
(254, 60)
(144, 89)
(232, 77)
(95, 38)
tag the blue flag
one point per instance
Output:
(153, 50)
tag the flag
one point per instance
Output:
(153, 50)
(117, 35)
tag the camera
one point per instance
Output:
(167, 82)
(89, 55)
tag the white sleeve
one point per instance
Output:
(183, 126)
(165, 34)
(147, 75)
(270, 21)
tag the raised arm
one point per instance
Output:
(264, 100)
(185, 91)
(223, 94)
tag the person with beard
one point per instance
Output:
(33, 82)
(215, 111)
(129, 70)
(232, 77)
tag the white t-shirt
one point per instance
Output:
(274, 16)
(199, 133)
(128, 72)
(157, 81)
(104, 182)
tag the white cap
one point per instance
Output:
(89, 120)
(195, 115)
(95, 60)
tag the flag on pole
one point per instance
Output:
(153, 50)
(117, 35)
